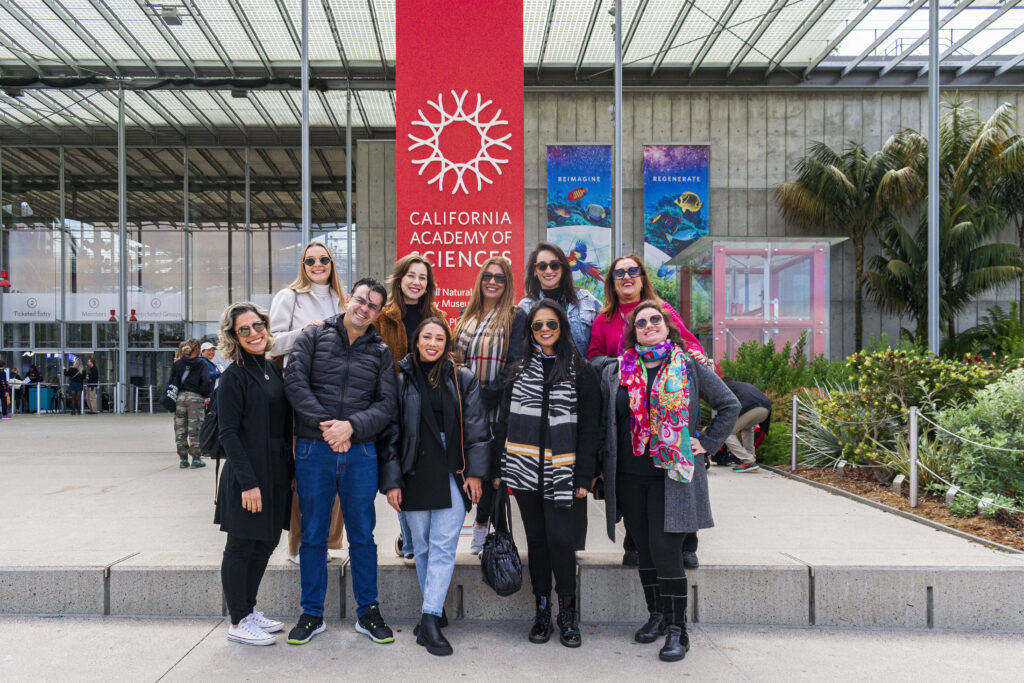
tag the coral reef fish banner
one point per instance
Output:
(676, 182)
(579, 207)
(459, 138)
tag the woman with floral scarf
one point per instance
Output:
(654, 461)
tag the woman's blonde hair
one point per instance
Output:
(402, 267)
(187, 348)
(611, 297)
(302, 283)
(229, 346)
(78, 364)
(505, 309)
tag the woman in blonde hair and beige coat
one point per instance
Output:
(313, 297)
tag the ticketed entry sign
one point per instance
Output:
(459, 138)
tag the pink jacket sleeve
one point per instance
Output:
(691, 341)
(597, 334)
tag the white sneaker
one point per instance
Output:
(479, 536)
(266, 625)
(294, 559)
(249, 634)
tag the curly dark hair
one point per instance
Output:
(674, 335)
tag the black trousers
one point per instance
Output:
(486, 503)
(629, 545)
(550, 542)
(241, 571)
(662, 576)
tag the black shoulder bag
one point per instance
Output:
(499, 560)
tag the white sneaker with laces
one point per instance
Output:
(294, 559)
(248, 633)
(266, 625)
(479, 536)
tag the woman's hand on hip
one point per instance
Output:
(473, 489)
(496, 482)
(395, 499)
(581, 492)
(252, 501)
(696, 446)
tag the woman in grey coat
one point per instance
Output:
(654, 469)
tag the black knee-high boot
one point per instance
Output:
(673, 596)
(655, 625)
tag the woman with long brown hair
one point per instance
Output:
(549, 276)
(488, 337)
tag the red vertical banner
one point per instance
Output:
(459, 138)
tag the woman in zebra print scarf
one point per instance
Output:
(546, 439)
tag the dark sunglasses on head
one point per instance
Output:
(311, 261)
(620, 273)
(653, 320)
(363, 302)
(244, 330)
(542, 266)
(538, 325)
(497, 277)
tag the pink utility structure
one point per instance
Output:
(742, 289)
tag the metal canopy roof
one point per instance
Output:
(229, 70)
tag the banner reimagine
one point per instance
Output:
(459, 138)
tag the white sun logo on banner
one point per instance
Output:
(483, 154)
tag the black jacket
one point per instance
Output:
(243, 421)
(93, 375)
(329, 379)
(198, 380)
(750, 397)
(404, 446)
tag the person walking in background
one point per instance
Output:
(654, 469)
(92, 380)
(189, 410)
(410, 302)
(313, 296)
(488, 337)
(76, 375)
(545, 444)
(208, 352)
(254, 421)
(433, 467)
(549, 276)
(341, 384)
(33, 376)
(755, 409)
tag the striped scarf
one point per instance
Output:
(482, 349)
(520, 462)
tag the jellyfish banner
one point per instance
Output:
(675, 207)
(579, 210)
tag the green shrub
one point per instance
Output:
(780, 371)
(998, 508)
(1000, 332)
(963, 506)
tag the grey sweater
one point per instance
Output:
(687, 506)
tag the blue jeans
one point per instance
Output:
(320, 474)
(436, 534)
(408, 542)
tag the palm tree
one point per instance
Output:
(1010, 198)
(974, 156)
(851, 193)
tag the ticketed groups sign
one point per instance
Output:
(459, 132)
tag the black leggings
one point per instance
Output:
(241, 571)
(485, 504)
(629, 545)
(662, 576)
(550, 541)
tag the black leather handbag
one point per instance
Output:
(499, 560)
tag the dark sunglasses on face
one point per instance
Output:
(542, 266)
(497, 277)
(311, 261)
(244, 330)
(538, 325)
(653, 320)
(363, 302)
(620, 273)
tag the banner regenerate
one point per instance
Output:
(459, 138)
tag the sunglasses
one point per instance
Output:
(542, 266)
(497, 277)
(245, 331)
(620, 273)
(538, 325)
(644, 322)
(311, 261)
(360, 301)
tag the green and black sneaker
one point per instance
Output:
(183, 463)
(372, 625)
(307, 627)
(197, 463)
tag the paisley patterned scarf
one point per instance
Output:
(665, 423)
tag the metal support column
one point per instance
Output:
(187, 284)
(122, 260)
(62, 326)
(348, 188)
(3, 264)
(933, 176)
(306, 184)
(248, 231)
(617, 246)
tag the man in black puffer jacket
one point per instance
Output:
(341, 385)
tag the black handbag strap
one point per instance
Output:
(501, 514)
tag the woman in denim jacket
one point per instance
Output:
(549, 276)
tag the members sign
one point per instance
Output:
(459, 132)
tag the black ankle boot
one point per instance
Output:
(650, 631)
(443, 619)
(676, 644)
(569, 621)
(541, 631)
(429, 636)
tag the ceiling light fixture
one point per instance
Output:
(170, 15)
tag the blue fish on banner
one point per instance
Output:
(665, 270)
(687, 235)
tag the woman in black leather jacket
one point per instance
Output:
(434, 463)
